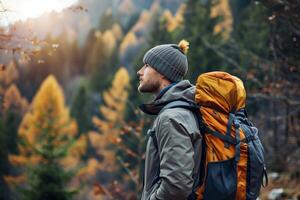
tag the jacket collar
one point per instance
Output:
(154, 107)
(182, 90)
(163, 91)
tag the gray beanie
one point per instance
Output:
(169, 60)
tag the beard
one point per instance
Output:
(149, 86)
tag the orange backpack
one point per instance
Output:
(232, 160)
(233, 155)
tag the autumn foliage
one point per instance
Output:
(109, 125)
(98, 153)
(46, 141)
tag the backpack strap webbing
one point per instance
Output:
(228, 128)
(223, 137)
(238, 140)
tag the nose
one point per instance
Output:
(140, 72)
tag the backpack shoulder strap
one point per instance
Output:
(181, 104)
(195, 109)
(172, 104)
(189, 105)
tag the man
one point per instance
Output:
(170, 168)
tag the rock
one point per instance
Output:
(274, 175)
(276, 194)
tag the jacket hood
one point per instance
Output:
(182, 90)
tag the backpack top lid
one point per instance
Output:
(220, 91)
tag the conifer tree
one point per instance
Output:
(106, 20)
(8, 76)
(80, 109)
(224, 26)
(109, 125)
(47, 140)
(3, 162)
(12, 108)
(101, 58)
(102, 158)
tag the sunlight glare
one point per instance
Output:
(23, 9)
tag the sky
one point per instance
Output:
(23, 9)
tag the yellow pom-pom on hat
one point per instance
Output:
(184, 46)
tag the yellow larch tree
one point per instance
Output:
(96, 56)
(8, 76)
(117, 31)
(101, 49)
(110, 41)
(179, 16)
(12, 99)
(129, 40)
(146, 19)
(109, 126)
(222, 9)
(14, 108)
(142, 22)
(47, 138)
(176, 21)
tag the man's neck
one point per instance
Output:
(162, 86)
(163, 90)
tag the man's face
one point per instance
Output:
(150, 79)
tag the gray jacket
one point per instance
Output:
(170, 169)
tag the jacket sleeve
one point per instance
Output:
(176, 160)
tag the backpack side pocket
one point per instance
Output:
(256, 162)
(221, 180)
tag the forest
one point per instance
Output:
(70, 124)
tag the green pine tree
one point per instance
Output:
(48, 180)
(80, 109)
